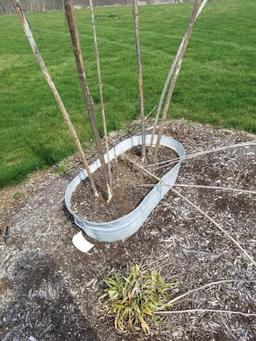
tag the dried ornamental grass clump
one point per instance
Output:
(133, 300)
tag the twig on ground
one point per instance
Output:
(217, 225)
(198, 209)
(225, 281)
(208, 151)
(241, 191)
(231, 312)
(244, 191)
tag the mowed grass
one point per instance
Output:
(217, 83)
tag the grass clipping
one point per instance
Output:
(134, 299)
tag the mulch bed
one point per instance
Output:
(50, 291)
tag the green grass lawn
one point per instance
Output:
(217, 83)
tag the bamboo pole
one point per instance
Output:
(140, 74)
(100, 88)
(85, 89)
(54, 90)
(176, 67)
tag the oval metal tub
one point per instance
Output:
(127, 225)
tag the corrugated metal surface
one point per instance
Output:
(127, 225)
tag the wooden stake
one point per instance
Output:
(85, 88)
(54, 90)
(100, 89)
(175, 69)
(140, 76)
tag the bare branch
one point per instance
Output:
(205, 152)
(239, 190)
(140, 77)
(189, 311)
(101, 91)
(151, 111)
(205, 286)
(167, 82)
(146, 171)
(217, 188)
(85, 88)
(248, 256)
(176, 67)
(168, 79)
(54, 90)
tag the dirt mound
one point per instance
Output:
(50, 291)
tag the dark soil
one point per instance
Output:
(50, 291)
(128, 189)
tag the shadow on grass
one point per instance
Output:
(42, 156)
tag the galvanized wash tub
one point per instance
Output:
(127, 225)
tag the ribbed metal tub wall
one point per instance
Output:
(127, 225)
